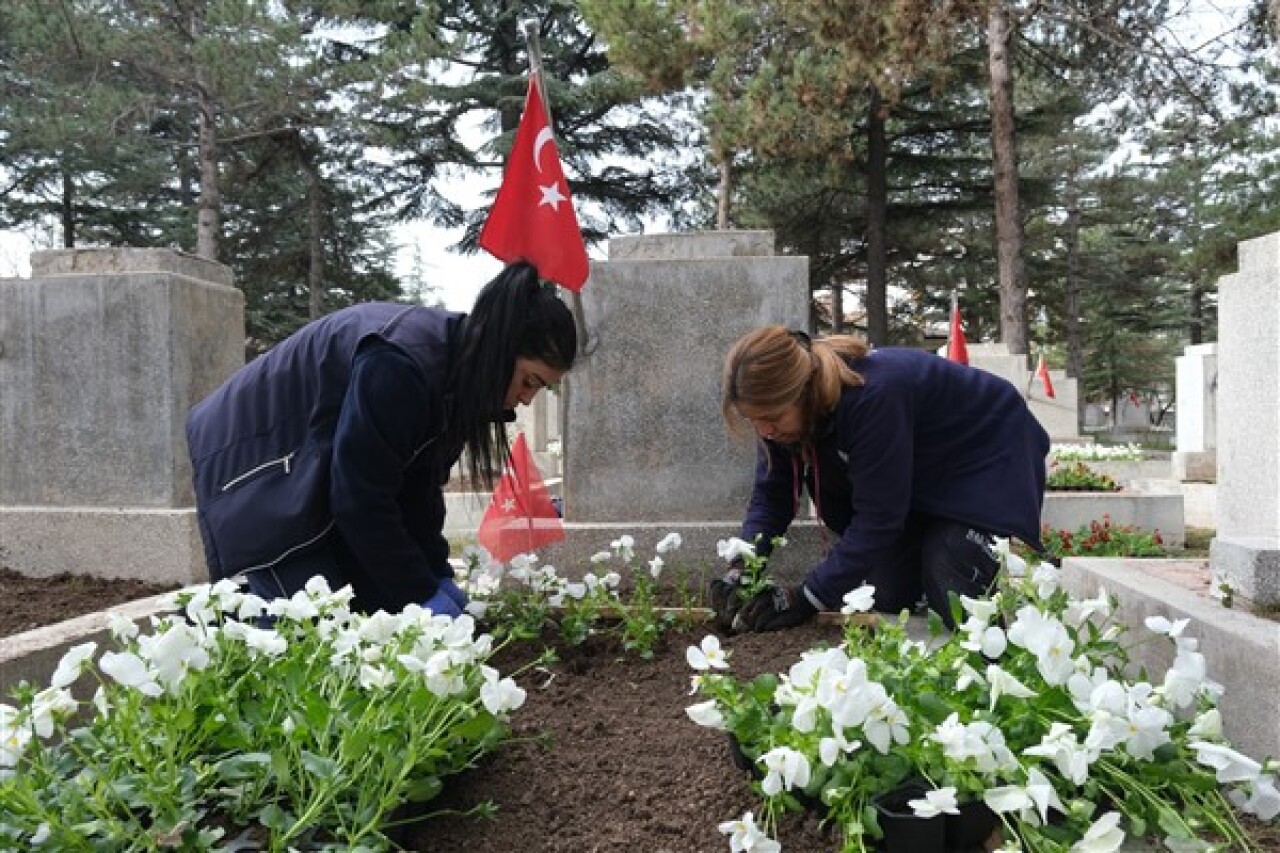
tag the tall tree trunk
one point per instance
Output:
(68, 208)
(724, 192)
(209, 210)
(315, 244)
(1071, 303)
(877, 218)
(1195, 312)
(1004, 153)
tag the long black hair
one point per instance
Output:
(516, 315)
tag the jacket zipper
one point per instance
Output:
(283, 460)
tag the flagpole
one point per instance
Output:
(529, 29)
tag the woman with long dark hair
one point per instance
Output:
(328, 455)
(916, 463)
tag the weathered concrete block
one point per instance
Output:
(145, 543)
(1195, 466)
(645, 439)
(1251, 564)
(99, 368)
(1147, 511)
(697, 244)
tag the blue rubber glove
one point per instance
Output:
(454, 592)
(445, 601)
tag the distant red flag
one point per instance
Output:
(957, 350)
(532, 218)
(1042, 372)
(521, 517)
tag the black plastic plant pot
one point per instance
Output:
(971, 829)
(904, 830)
(740, 760)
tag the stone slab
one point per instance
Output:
(99, 371)
(645, 439)
(1251, 564)
(1150, 511)
(1242, 650)
(147, 544)
(696, 244)
(59, 262)
(1195, 466)
(1248, 397)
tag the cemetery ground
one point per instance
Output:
(602, 755)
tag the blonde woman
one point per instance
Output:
(914, 462)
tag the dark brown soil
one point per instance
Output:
(27, 603)
(603, 757)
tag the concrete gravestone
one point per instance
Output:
(103, 352)
(646, 449)
(1246, 552)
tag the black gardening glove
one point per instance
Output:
(776, 608)
(725, 596)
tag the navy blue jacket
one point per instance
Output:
(922, 435)
(332, 442)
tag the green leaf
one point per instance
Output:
(320, 766)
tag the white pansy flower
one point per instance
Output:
(733, 548)
(1061, 746)
(831, 748)
(746, 837)
(935, 802)
(981, 609)
(1162, 625)
(708, 655)
(625, 547)
(500, 695)
(1047, 578)
(859, 600)
(122, 628)
(72, 664)
(1207, 725)
(670, 542)
(41, 835)
(1105, 836)
(1004, 684)
(1148, 730)
(706, 714)
(655, 567)
(129, 670)
(785, 769)
(1231, 766)
(601, 556)
(1262, 801)
(1007, 798)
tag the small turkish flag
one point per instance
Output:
(1042, 372)
(521, 517)
(957, 350)
(532, 218)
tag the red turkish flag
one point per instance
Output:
(1042, 373)
(957, 350)
(532, 218)
(521, 517)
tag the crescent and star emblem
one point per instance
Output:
(550, 194)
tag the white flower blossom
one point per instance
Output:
(72, 664)
(746, 837)
(655, 567)
(935, 802)
(859, 600)
(733, 548)
(708, 655)
(670, 542)
(500, 696)
(706, 714)
(785, 769)
(1105, 836)
(1263, 800)
(1231, 766)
